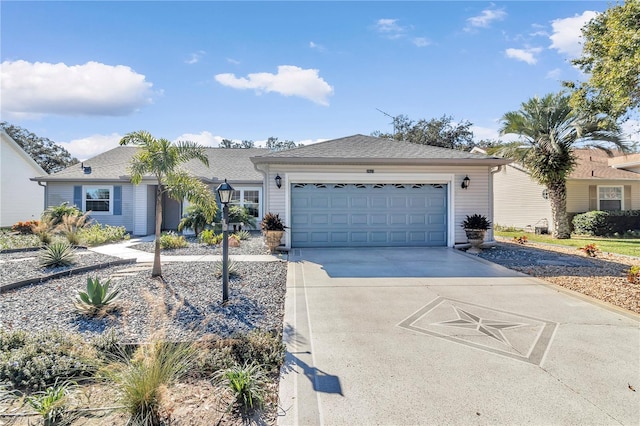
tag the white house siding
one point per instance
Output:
(518, 200)
(20, 198)
(58, 193)
(578, 193)
(475, 199)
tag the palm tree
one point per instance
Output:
(162, 159)
(549, 130)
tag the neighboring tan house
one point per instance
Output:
(363, 191)
(598, 182)
(20, 198)
(103, 185)
(358, 191)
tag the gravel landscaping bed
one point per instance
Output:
(183, 305)
(24, 265)
(603, 277)
(252, 246)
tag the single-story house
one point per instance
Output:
(20, 198)
(353, 191)
(102, 184)
(598, 182)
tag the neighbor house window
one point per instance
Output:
(610, 197)
(248, 198)
(98, 199)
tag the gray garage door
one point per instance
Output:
(380, 215)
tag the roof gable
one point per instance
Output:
(8, 141)
(594, 164)
(224, 163)
(360, 149)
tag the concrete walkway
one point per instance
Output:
(435, 336)
(123, 250)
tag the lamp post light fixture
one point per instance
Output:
(278, 181)
(465, 182)
(225, 193)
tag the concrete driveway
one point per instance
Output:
(434, 336)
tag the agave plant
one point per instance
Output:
(60, 253)
(97, 298)
(232, 268)
(242, 234)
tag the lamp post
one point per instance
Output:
(225, 192)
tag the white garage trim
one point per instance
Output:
(427, 178)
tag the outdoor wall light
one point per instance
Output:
(278, 181)
(225, 193)
(465, 182)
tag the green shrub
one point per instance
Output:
(142, 378)
(242, 235)
(97, 299)
(50, 403)
(210, 238)
(605, 223)
(57, 254)
(54, 214)
(240, 214)
(171, 240)
(97, 234)
(247, 382)
(195, 218)
(476, 221)
(34, 362)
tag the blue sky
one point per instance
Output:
(85, 73)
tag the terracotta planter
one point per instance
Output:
(272, 239)
(476, 238)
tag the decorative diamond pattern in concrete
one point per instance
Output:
(516, 336)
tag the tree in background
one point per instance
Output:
(228, 143)
(51, 157)
(443, 132)
(549, 130)
(611, 56)
(277, 145)
(161, 159)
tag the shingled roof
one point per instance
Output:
(594, 164)
(361, 149)
(113, 165)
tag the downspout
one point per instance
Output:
(46, 194)
(491, 208)
(265, 187)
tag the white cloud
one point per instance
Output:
(390, 28)
(233, 61)
(566, 37)
(90, 89)
(91, 145)
(421, 41)
(195, 57)
(317, 46)
(554, 74)
(485, 19)
(525, 55)
(631, 130)
(289, 81)
(203, 138)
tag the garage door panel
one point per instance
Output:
(359, 202)
(359, 215)
(339, 219)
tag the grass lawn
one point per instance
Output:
(626, 246)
